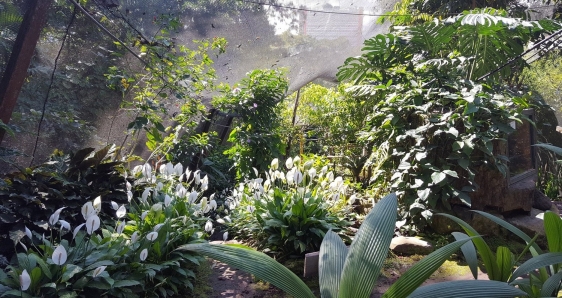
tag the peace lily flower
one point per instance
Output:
(192, 197)
(76, 230)
(97, 204)
(134, 237)
(275, 164)
(121, 211)
(114, 205)
(120, 227)
(312, 173)
(59, 255)
(129, 186)
(88, 210)
(23, 245)
(208, 226)
(156, 207)
(289, 163)
(55, 216)
(250, 208)
(145, 193)
(197, 177)
(159, 186)
(92, 224)
(178, 169)
(213, 204)
(297, 177)
(181, 192)
(143, 215)
(129, 195)
(28, 233)
(296, 160)
(146, 170)
(157, 227)
(64, 224)
(143, 254)
(225, 236)
(167, 200)
(152, 236)
(98, 271)
(25, 280)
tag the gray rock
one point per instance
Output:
(541, 201)
(484, 226)
(530, 224)
(410, 246)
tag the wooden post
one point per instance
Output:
(20, 58)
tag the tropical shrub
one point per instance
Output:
(353, 272)
(540, 276)
(439, 119)
(131, 257)
(289, 213)
(255, 136)
(30, 196)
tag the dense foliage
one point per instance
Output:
(290, 213)
(437, 122)
(255, 136)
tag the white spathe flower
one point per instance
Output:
(88, 210)
(197, 177)
(59, 255)
(152, 236)
(162, 169)
(156, 207)
(290, 176)
(129, 196)
(157, 227)
(98, 271)
(143, 254)
(159, 186)
(28, 233)
(120, 227)
(169, 169)
(136, 170)
(205, 180)
(266, 185)
(114, 205)
(251, 208)
(167, 200)
(65, 224)
(308, 165)
(55, 216)
(312, 173)
(144, 214)
(76, 230)
(121, 211)
(324, 170)
(213, 204)
(206, 209)
(296, 160)
(289, 163)
(192, 197)
(297, 177)
(146, 170)
(23, 245)
(92, 224)
(208, 226)
(225, 236)
(128, 185)
(97, 204)
(181, 192)
(275, 164)
(144, 196)
(25, 280)
(330, 176)
(178, 169)
(134, 237)
(255, 171)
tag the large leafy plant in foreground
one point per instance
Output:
(353, 273)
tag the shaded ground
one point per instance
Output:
(232, 283)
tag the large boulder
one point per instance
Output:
(410, 246)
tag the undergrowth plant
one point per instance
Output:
(290, 213)
(132, 256)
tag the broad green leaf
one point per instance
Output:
(551, 285)
(553, 231)
(331, 259)
(437, 177)
(554, 149)
(421, 271)
(537, 262)
(44, 268)
(486, 254)
(469, 253)
(70, 271)
(256, 263)
(504, 258)
(16, 293)
(369, 249)
(534, 249)
(467, 289)
(126, 283)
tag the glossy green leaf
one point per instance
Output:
(469, 252)
(467, 289)
(537, 262)
(552, 285)
(369, 249)
(331, 259)
(422, 270)
(256, 263)
(488, 257)
(504, 258)
(553, 231)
